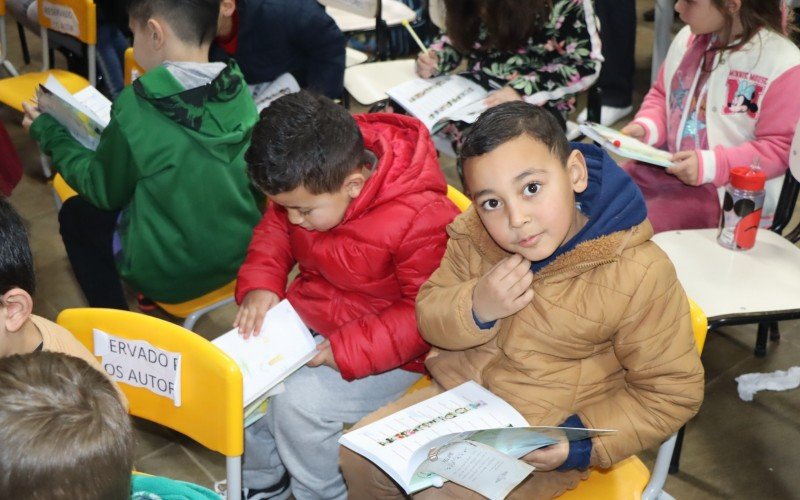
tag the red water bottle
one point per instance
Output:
(741, 208)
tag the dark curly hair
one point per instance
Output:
(304, 139)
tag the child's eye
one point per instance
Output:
(490, 204)
(532, 188)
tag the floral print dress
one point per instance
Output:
(558, 62)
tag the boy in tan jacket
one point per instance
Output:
(552, 296)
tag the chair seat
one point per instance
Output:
(63, 190)
(392, 12)
(16, 90)
(184, 309)
(624, 481)
(353, 57)
(368, 83)
(723, 282)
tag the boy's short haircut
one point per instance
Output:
(505, 122)
(16, 261)
(193, 21)
(64, 432)
(304, 139)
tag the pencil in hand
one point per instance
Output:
(413, 34)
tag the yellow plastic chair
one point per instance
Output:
(458, 198)
(191, 310)
(131, 70)
(211, 410)
(80, 24)
(3, 42)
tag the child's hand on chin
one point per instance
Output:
(324, 356)
(548, 458)
(251, 313)
(504, 290)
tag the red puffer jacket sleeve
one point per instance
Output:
(269, 256)
(380, 342)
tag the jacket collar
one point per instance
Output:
(585, 256)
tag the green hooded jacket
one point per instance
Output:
(172, 160)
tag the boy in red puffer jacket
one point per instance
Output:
(360, 204)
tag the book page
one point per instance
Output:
(265, 93)
(441, 98)
(81, 122)
(626, 146)
(96, 103)
(400, 442)
(283, 345)
(478, 467)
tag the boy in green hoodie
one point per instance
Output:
(164, 202)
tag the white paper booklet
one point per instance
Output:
(85, 114)
(265, 93)
(438, 437)
(435, 101)
(283, 345)
(625, 146)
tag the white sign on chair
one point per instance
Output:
(139, 363)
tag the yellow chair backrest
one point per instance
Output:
(699, 325)
(77, 18)
(2, 8)
(458, 198)
(132, 69)
(211, 410)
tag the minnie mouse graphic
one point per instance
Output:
(743, 98)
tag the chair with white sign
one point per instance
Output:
(211, 407)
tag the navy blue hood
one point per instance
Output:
(612, 202)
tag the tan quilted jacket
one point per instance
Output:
(607, 336)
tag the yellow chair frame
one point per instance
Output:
(18, 89)
(211, 410)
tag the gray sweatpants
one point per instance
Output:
(301, 429)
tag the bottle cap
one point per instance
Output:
(748, 178)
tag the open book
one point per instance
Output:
(466, 435)
(265, 93)
(435, 101)
(85, 114)
(283, 345)
(625, 146)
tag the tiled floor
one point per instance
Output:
(733, 449)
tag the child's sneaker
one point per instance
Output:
(278, 491)
(145, 305)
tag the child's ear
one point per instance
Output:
(577, 171)
(155, 34)
(354, 183)
(19, 306)
(226, 8)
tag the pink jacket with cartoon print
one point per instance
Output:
(752, 108)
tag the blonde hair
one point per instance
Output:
(64, 432)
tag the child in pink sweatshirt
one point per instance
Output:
(725, 97)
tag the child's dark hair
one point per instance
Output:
(64, 432)
(16, 261)
(193, 21)
(506, 121)
(304, 139)
(510, 23)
